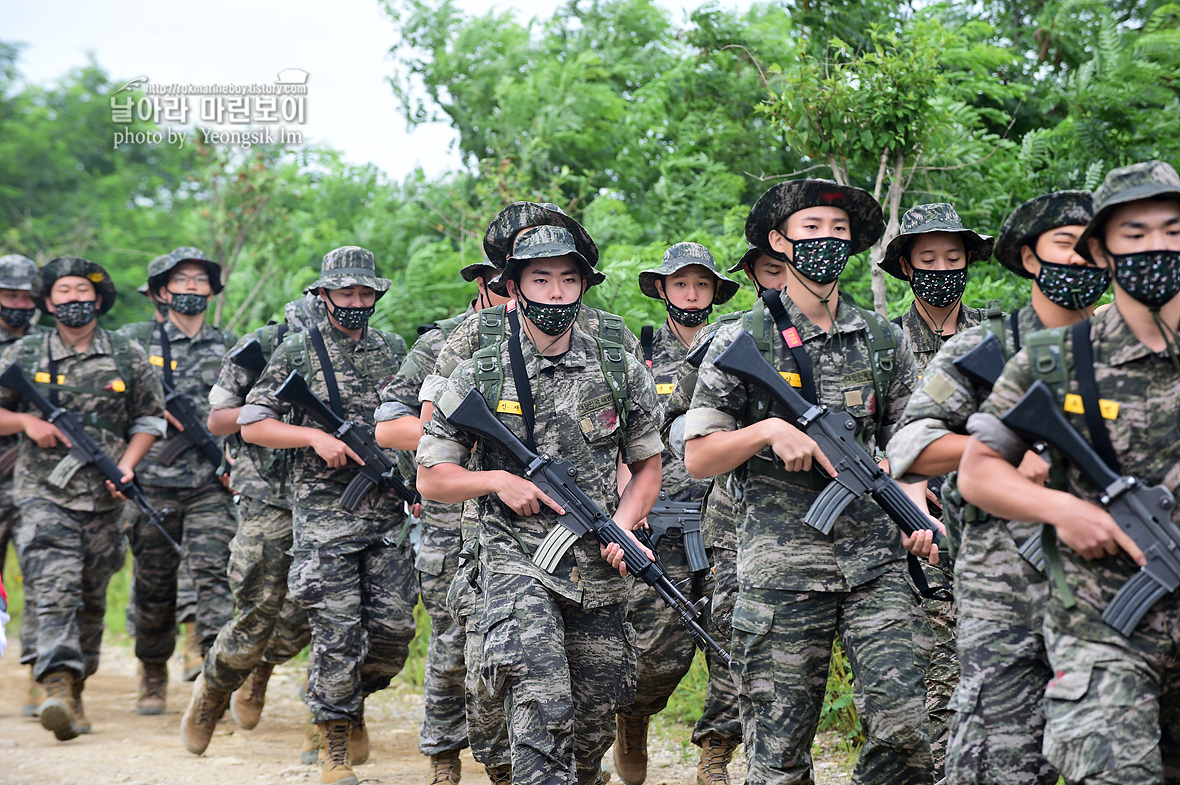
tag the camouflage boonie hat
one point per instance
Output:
(748, 258)
(501, 234)
(16, 272)
(683, 255)
(161, 266)
(773, 207)
(64, 266)
(1128, 184)
(1037, 216)
(543, 242)
(350, 265)
(927, 219)
(479, 269)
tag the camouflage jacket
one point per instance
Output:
(668, 355)
(400, 398)
(575, 421)
(776, 550)
(464, 342)
(924, 342)
(113, 410)
(6, 340)
(1145, 434)
(362, 368)
(946, 397)
(196, 363)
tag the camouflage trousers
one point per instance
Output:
(203, 521)
(666, 650)
(942, 664)
(9, 526)
(267, 626)
(360, 605)
(562, 673)
(487, 725)
(69, 557)
(445, 726)
(998, 721)
(782, 645)
(720, 717)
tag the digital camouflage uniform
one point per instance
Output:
(346, 567)
(557, 647)
(798, 588)
(1112, 708)
(69, 539)
(199, 510)
(996, 723)
(445, 726)
(267, 627)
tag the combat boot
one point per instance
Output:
(247, 703)
(200, 718)
(57, 710)
(335, 768)
(79, 715)
(445, 768)
(715, 754)
(631, 749)
(358, 743)
(499, 775)
(312, 740)
(153, 688)
(194, 661)
(32, 707)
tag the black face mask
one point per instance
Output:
(189, 304)
(551, 319)
(1151, 277)
(939, 288)
(1071, 286)
(17, 317)
(78, 313)
(351, 318)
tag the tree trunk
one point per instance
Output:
(893, 207)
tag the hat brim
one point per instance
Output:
(1037, 216)
(1138, 193)
(978, 246)
(478, 270)
(865, 218)
(104, 287)
(502, 231)
(330, 282)
(158, 281)
(748, 258)
(725, 290)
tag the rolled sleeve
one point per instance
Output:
(221, 398)
(394, 411)
(432, 388)
(253, 412)
(992, 432)
(156, 426)
(909, 442)
(702, 422)
(433, 450)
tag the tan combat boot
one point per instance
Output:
(57, 710)
(499, 775)
(715, 754)
(631, 749)
(247, 703)
(312, 740)
(153, 688)
(335, 767)
(200, 718)
(358, 743)
(32, 707)
(194, 661)
(445, 768)
(79, 715)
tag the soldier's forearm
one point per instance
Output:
(988, 481)
(940, 456)
(640, 493)
(450, 483)
(724, 451)
(223, 422)
(400, 434)
(12, 422)
(279, 435)
(136, 448)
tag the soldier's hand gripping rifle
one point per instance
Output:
(249, 357)
(83, 448)
(1143, 512)
(835, 433)
(378, 469)
(194, 433)
(558, 480)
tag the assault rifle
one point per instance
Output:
(249, 356)
(195, 434)
(835, 433)
(83, 449)
(1143, 512)
(683, 520)
(378, 469)
(558, 480)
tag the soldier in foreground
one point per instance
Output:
(557, 650)
(1112, 706)
(69, 537)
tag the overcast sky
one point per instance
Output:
(343, 45)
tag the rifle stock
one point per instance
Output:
(249, 357)
(983, 364)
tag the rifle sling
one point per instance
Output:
(524, 390)
(647, 341)
(1083, 356)
(53, 397)
(1014, 328)
(166, 355)
(790, 336)
(317, 340)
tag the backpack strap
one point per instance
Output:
(786, 328)
(1083, 364)
(489, 376)
(883, 352)
(611, 327)
(492, 326)
(614, 368)
(647, 336)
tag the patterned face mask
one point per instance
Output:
(688, 318)
(1152, 277)
(162, 308)
(938, 288)
(77, 313)
(189, 304)
(551, 319)
(820, 259)
(1071, 286)
(17, 317)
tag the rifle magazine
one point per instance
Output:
(173, 449)
(1032, 553)
(553, 547)
(65, 470)
(827, 507)
(694, 549)
(356, 490)
(1133, 600)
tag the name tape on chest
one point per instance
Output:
(158, 361)
(793, 379)
(508, 407)
(43, 377)
(1108, 409)
(666, 388)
